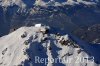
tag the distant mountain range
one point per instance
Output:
(23, 3)
(67, 16)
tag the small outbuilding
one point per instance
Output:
(44, 29)
(38, 25)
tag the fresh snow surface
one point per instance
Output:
(20, 48)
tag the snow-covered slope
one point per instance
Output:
(23, 46)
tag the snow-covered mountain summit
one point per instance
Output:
(23, 46)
